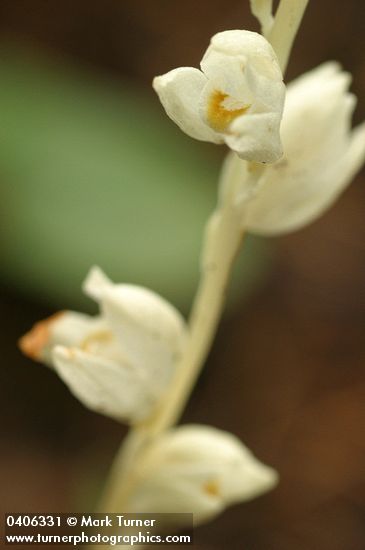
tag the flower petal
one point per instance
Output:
(255, 137)
(150, 330)
(179, 92)
(199, 469)
(266, 85)
(96, 283)
(241, 46)
(226, 73)
(103, 385)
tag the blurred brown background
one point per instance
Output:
(287, 372)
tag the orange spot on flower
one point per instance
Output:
(34, 341)
(211, 488)
(219, 116)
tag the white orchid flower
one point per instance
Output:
(322, 155)
(120, 362)
(200, 470)
(237, 98)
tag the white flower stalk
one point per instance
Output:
(198, 469)
(322, 155)
(237, 98)
(120, 362)
(262, 10)
(285, 27)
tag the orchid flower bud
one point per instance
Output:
(322, 155)
(237, 98)
(198, 469)
(120, 362)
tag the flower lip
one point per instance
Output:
(221, 111)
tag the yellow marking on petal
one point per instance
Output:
(97, 338)
(211, 488)
(34, 341)
(219, 117)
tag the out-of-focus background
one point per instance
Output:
(92, 171)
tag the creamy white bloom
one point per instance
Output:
(322, 155)
(120, 362)
(236, 98)
(198, 469)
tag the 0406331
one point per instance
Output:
(25, 520)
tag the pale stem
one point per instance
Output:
(222, 243)
(262, 10)
(121, 477)
(286, 24)
(226, 234)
